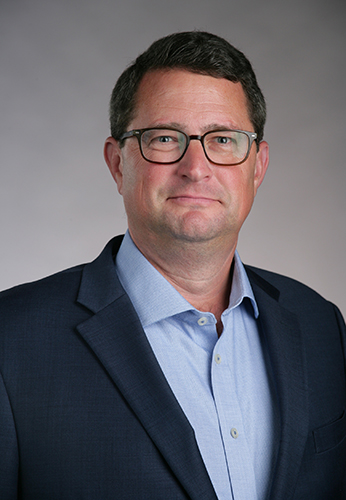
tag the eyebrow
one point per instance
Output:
(207, 128)
(218, 126)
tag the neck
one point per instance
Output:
(199, 271)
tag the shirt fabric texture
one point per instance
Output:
(224, 385)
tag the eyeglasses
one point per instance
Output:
(165, 145)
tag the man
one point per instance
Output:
(165, 369)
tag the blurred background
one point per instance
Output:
(59, 61)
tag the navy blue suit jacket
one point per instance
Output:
(86, 413)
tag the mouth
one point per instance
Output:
(195, 200)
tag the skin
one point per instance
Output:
(186, 217)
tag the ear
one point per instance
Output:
(113, 156)
(262, 162)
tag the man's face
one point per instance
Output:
(192, 200)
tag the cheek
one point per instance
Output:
(239, 186)
(248, 194)
(149, 180)
(132, 174)
(246, 181)
(140, 188)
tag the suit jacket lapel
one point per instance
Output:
(287, 355)
(116, 336)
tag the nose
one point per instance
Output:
(194, 164)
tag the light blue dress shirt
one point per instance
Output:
(224, 385)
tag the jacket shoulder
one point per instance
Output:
(64, 284)
(279, 281)
(42, 293)
(291, 293)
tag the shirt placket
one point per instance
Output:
(230, 420)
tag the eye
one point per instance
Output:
(163, 138)
(156, 138)
(223, 140)
(163, 142)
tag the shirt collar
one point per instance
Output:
(241, 287)
(141, 281)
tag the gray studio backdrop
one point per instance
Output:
(59, 62)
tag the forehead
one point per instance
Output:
(180, 96)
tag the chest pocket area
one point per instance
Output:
(330, 435)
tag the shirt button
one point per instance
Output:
(202, 321)
(217, 358)
(234, 433)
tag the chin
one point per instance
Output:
(198, 234)
(194, 227)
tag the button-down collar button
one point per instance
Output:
(202, 321)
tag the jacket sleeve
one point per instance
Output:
(8, 448)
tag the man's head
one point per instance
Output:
(197, 52)
(178, 192)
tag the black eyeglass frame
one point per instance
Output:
(252, 136)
